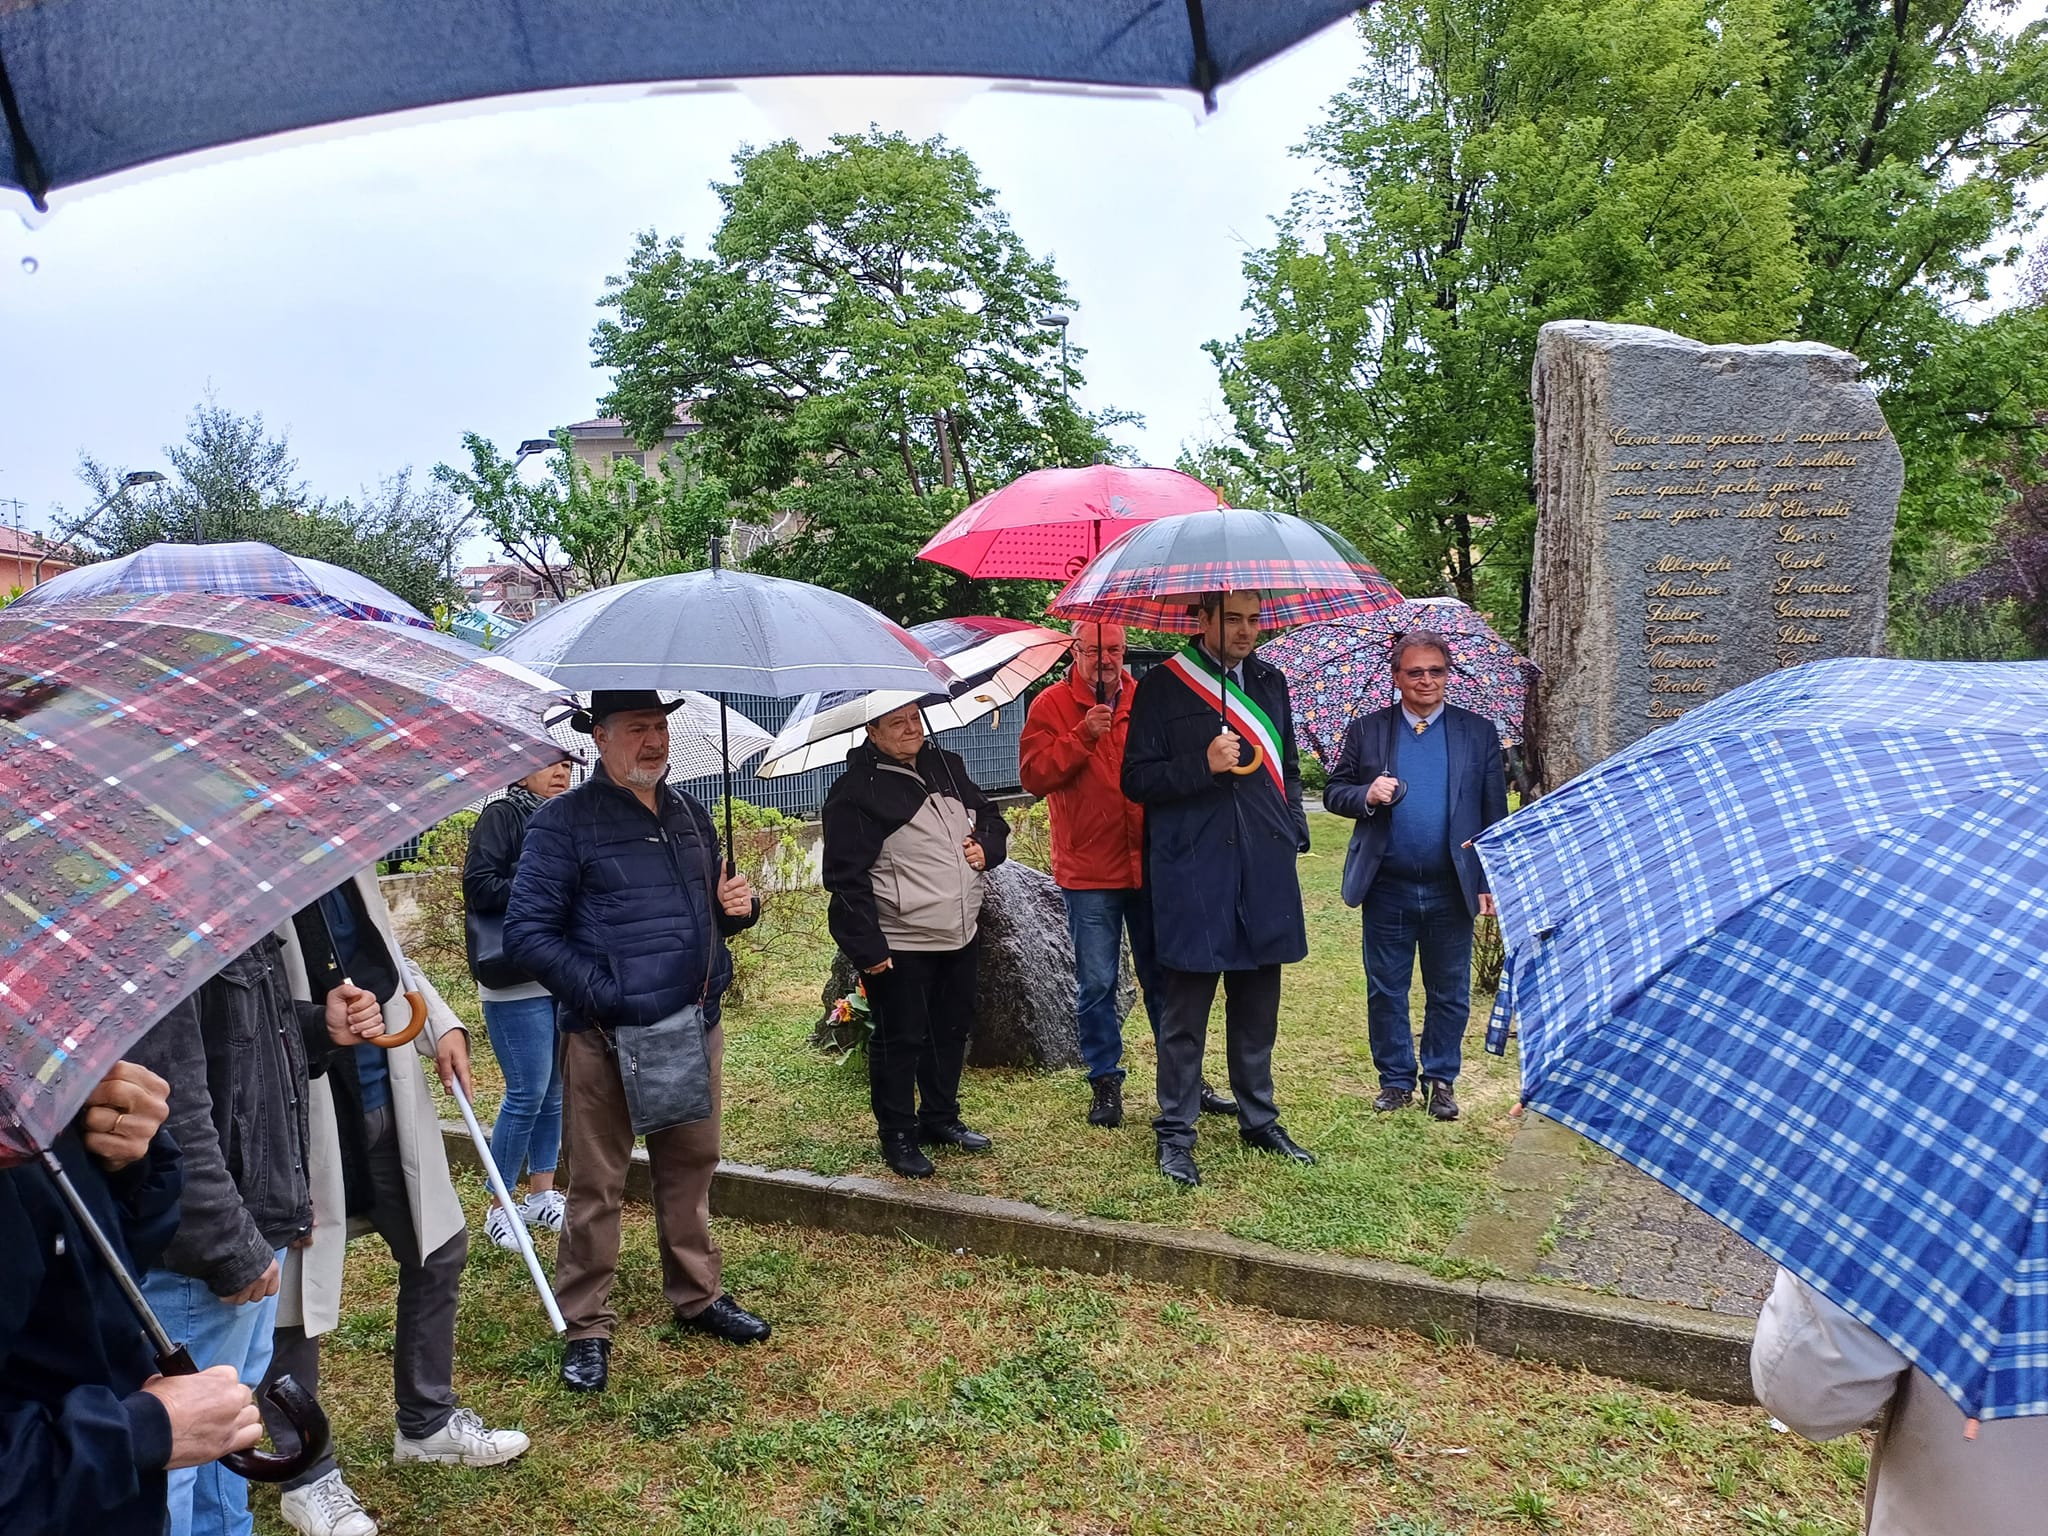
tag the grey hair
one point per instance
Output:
(1418, 639)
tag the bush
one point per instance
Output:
(437, 941)
(1031, 835)
(769, 848)
(1315, 778)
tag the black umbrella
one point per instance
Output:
(89, 87)
(721, 632)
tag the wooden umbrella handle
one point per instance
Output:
(1258, 759)
(405, 1035)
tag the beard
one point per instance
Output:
(645, 777)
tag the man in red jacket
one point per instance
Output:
(1072, 758)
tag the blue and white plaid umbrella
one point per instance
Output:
(242, 569)
(1789, 955)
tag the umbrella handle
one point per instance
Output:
(1258, 758)
(405, 1035)
(299, 1408)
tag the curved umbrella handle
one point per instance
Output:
(299, 1407)
(308, 1420)
(1258, 758)
(405, 1035)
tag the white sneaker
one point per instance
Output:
(498, 1228)
(464, 1442)
(326, 1508)
(547, 1209)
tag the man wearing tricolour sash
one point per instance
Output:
(1221, 789)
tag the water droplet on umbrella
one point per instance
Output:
(29, 265)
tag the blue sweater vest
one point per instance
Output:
(1419, 841)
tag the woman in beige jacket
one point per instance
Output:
(400, 1188)
(1826, 1375)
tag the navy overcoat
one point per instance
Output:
(1219, 847)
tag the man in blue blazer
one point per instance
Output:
(1422, 778)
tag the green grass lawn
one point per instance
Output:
(913, 1391)
(1396, 1187)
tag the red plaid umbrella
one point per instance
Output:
(1150, 576)
(178, 775)
(1051, 522)
(1153, 575)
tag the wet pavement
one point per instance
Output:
(1564, 1210)
(1622, 1231)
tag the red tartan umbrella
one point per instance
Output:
(1051, 522)
(178, 775)
(1152, 576)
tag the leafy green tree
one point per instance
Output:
(582, 527)
(1501, 163)
(230, 479)
(1918, 127)
(864, 348)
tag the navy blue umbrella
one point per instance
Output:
(89, 87)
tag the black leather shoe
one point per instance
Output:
(1271, 1138)
(1391, 1099)
(1214, 1103)
(726, 1319)
(1178, 1164)
(900, 1152)
(587, 1365)
(955, 1135)
(1108, 1109)
(1442, 1103)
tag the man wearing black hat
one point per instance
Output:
(621, 909)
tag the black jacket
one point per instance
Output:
(1219, 847)
(494, 845)
(615, 909)
(82, 1447)
(236, 1055)
(872, 802)
(1478, 790)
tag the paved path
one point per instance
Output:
(1567, 1211)
(1623, 1231)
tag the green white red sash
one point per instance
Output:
(1240, 712)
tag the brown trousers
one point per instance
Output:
(598, 1135)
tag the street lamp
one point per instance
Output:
(128, 483)
(1058, 320)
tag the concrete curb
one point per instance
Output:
(1676, 1348)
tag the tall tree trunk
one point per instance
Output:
(945, 449)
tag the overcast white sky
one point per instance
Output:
(377, 294)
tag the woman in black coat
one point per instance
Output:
(519, 1015)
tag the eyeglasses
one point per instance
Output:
(1419, 673)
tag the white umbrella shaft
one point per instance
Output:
(497, 1182)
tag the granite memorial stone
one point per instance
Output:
(1025, 1016)
(1706, 514)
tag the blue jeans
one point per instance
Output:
(1097, 921)
(527, 1134)
(1405, 919)
(211, 1500)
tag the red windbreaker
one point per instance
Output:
(1097, 835)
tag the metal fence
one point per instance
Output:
(988, 747)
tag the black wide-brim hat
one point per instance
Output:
(618, 701)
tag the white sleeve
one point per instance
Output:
(1816, 1367)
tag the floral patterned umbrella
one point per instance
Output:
(1338, 669)
(179, 773)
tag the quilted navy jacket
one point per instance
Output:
(615, 910)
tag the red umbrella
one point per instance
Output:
(1048, 524)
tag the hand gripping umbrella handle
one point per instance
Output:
(1258, 758)
(293, 1401)
(299, 1408)
(405, 1035)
